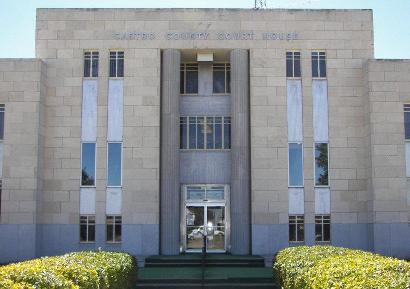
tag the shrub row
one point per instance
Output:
(324, 267)
(85, 270)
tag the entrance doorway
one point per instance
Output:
(205, 212)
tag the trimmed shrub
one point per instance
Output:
(323, 267)
(85, 270)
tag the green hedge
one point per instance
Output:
(324, 267)
(85, 270)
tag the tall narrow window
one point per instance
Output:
(91, 63)
(114, 229)
(293, 64)
(221, 78)
(321, 164)
(87, 228)
(2, 111)
(318, 64)
(407, 122)
(210, 132)
(114, 161)
(189, 78)
(322, 228)
(295, 165)
(296, 228)
(88, 164)
(116, 63)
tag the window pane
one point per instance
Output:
(183, 133)
(83, 233)
(218, 132)
(227, 132)
(292, 232)
(118, 232)
(210, 141)
(315, 64)
(406, 125)
(201, 133)
(295, 165)
(182, 81)
(110, 232)
(289, 64)
(297, 65)
(120, 69)
(114, 164)
(326, 232)
(215, 193)
(2, 121)
(91, 233)
(88, 164)
(195, 193)
(95, 65)
(191, 82)
(192, 132)
(318, 232)
(228, 81)
(321, 164)
(301, 232)
(87, 65)
(322, 64)
(113, 67)
(219, 81)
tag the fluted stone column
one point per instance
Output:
(240, 153)
(170, 191)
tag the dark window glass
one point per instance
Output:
(88, 164)
(113, 64)
(322, 64)
(183, 133)
(315, 64)
(289, 64)
(182, 80)
(227, 132)
(295, 164)
(91, 233)
(218, 133)
(120, 64)
(114, 164)
(322, 228)
(113, 230)
(406, 121)
(192, 132)
(321, 164)
(110, 229)
(87, 64)
(228, 79)
(95, 64)
(219, 81)
(2, 111)
(83, 232)
(118, 229)
(221, 77)
(296, 229)
(201, 133)
(87, 228)
(192, 82)
(297, 72)
(292, 232)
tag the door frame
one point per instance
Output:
(211, 203)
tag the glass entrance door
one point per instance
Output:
(208, 220)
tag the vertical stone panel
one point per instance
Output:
(294, 110)
(240, 150)
(89, 111)
(296, 201)
(115, 109)
(170, 192)
(320, 111)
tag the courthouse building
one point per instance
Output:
(142, 130)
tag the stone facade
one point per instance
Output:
(370, 203)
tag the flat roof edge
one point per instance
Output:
(215, 9)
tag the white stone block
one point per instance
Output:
(322, 201)
(320, 110)
(87, 201)
(295, 111)
(296, 201)
(114, 201)
(89, 111)
(115, 110)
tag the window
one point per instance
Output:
(189, 78)
(293, 64)
(321, 164)
(318, 64)
(116, 63)
(114, 160)
(88, 164)
(114, 230)
(406, 121)
(91, 63)
(322, 228)
(296, 228)
(2, 111)
(205, 132)
(205, 192)
(295, 165)
(221, 78)
(87, 228)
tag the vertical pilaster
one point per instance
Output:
(240, 150)
(170, 191)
